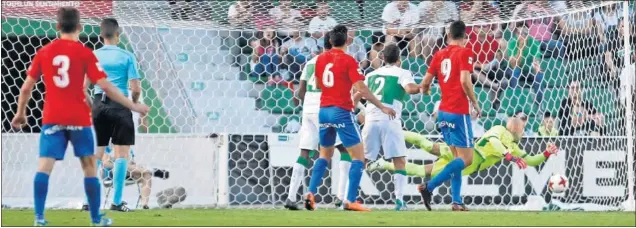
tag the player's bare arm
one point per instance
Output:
(425, 87)
(364, 90)
(87, 83)
(113, 93)
(467, 85)
(25, 95)
(412, 88)
(302, 90)
(135, 89)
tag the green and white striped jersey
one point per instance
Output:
(311, 104)
(387, 84)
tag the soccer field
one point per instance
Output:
(216, 217)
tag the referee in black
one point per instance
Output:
(113, 122)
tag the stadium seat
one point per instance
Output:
(554, 73)
(366, 36)
(604, 100)
(414, 124)
(533, 124)
(284, 119)
(429, 101)
(278, 100)
(552, 100)
(488, 122)
(346, 11)
(415, 65)
(518, 99)
(484, 102)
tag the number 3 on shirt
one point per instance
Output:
(446, 69)
(327, 76)
(63, 63)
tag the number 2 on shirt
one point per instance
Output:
(446, 69)
(327, 76)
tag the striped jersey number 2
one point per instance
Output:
(327, 76)
(446, 69)
(378, 90)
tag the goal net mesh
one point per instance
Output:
(221, 78)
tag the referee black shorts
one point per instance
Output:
(113, 122)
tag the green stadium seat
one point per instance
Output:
(372, 10)
(414, 124)
(284, 119)
(279, 100)
(552, 100)
(488, 122)
(518, 99)
(554, 73)
(366, 36)
(604, 100)
(533, 124)
(484, 102)
(415, 65)
(345, 11)
(429, 101)
(221, 8)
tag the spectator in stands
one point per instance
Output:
(614, 56)
(240, 13)
(577, 116)
(541, 28)
(357, 48)
(577, 33)
(181, 10)
(286, 17)
(547, 127)
(296, 51)
(378, 39)
(277, 80)
(487, 72)
(523, 55)
(606, 20)
(244, 14)
(400, 19)
(479, 11)
(433, 15)
(265, 53)
(322, 22)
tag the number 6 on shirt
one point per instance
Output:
(327, 76)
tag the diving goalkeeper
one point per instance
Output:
(497, 143)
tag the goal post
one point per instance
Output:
(205, 72)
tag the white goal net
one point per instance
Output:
(222, 80)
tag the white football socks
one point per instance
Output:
(298, 174)
(400, 183)
(343, 178)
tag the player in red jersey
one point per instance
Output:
(63, 65)
(336, 73)
(452, 66)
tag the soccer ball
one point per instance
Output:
(558, 183)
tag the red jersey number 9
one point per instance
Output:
(446, 69)
(63, 63)
(327, 76)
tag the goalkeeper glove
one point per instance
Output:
(519, 161)
(552, 149)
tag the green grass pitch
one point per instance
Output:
(249, 217)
